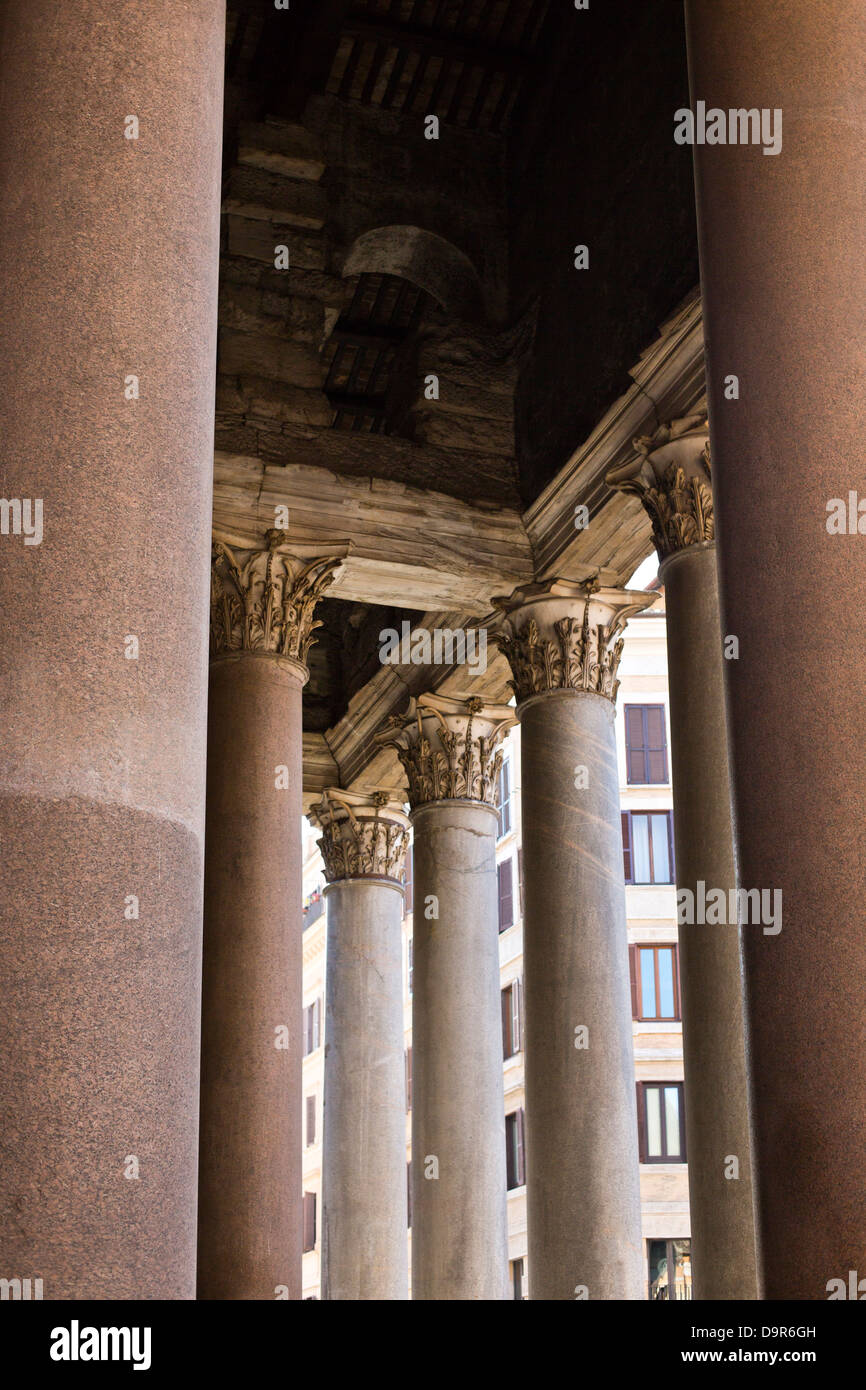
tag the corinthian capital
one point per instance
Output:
(670, 473)
(563, 635)
(263, 599)
(364, 835)
(449, 747)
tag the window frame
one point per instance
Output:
(626, 818)
(515, 1150)
(642, 1088)
(636, 978)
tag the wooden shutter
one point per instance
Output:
(316, 1024)
(633, 963)
(656, 744)
(521, 1159)
(506, 894)
(311, 1120)
(409, 1078)
(516, 1016)
(626, 846)
(635, 751)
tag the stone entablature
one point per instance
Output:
(560, 635)
(671, 475)
(364, 835)
(450, 747)
(263, 599)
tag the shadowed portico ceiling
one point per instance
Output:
(554, 130)
(467, 60)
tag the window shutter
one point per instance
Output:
(409, 1078)
(506, 895)
(634, 743)
(673, 878)
(411, 946)
(311, 1120)
(507, 1046)
(656, 744)
(317, 1037)
(521, 1162)
(626, 846)
(632, 970)
(409, 1194)
(516, 1020)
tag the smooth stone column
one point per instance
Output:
(671, 476)
(250, 1223)
(783, 258)
(109, 253)
(449, 748)
(365, 1242)
(582, 1175)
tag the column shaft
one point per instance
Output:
(250, 1179)
(459, 1233)
(717, 1120)
(584, 1220)
(783, 256)
(108, 268)
(364, 1192)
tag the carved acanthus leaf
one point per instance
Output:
(361, 837)
(264, 600)
(450, 748)
(672, 476)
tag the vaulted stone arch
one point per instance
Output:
(427, 260)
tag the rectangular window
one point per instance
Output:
(661, 1122)
(648, 846)
(517, 1278)
(504, 797)
(514, 1162)
(408, 1078)
(646, 745)
(312, 1027)
(655, 993)
(311, 1120)
(511, 1020)
(410, 955)
(309, 1222)
(506, 894)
